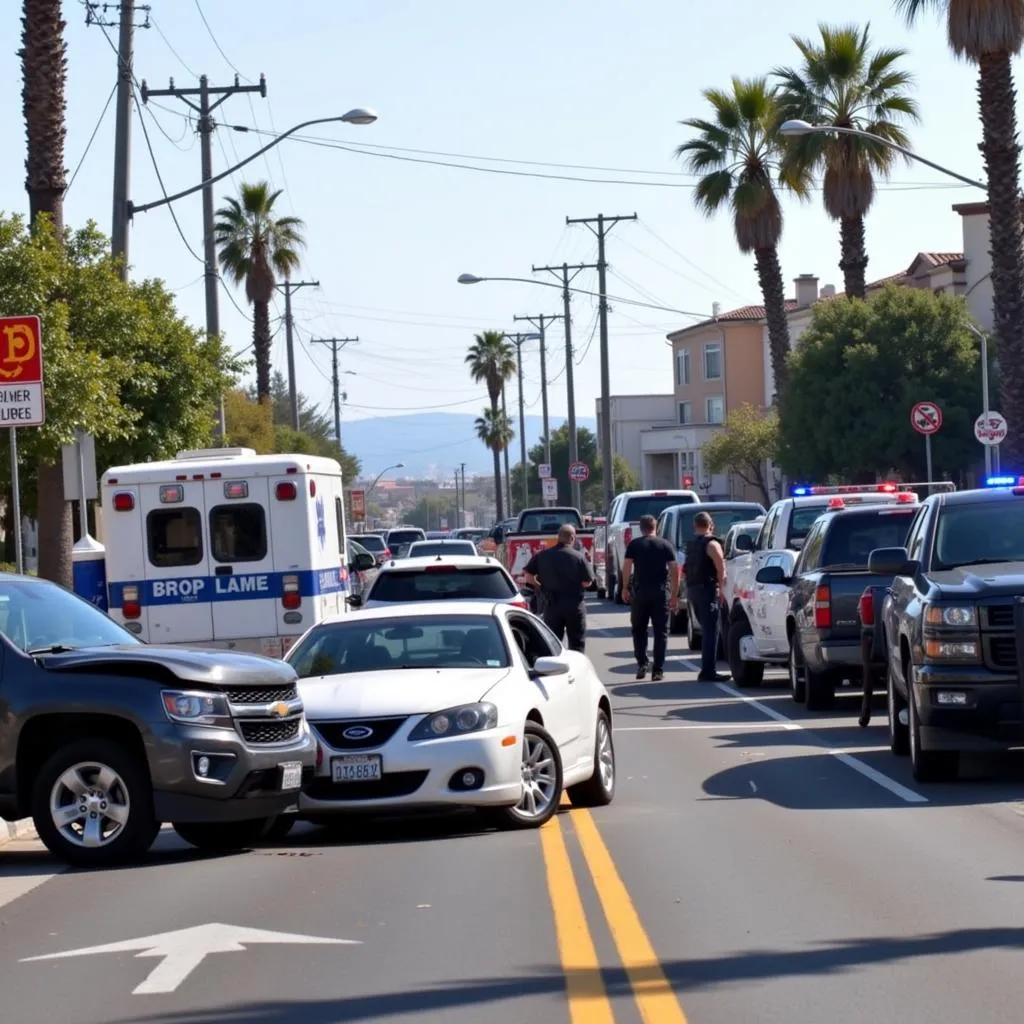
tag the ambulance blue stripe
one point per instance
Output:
(238, 587)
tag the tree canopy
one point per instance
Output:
(858, 370)
(750, 439)
(430, 510)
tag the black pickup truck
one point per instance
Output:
(954, 630)
(822, 623)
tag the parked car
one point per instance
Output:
(443, 705)
(432, 548)
(375, 544)
(103, 737)
(362, 567)
(399, 539)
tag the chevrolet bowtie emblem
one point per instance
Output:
(280, 709)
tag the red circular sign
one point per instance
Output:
(579, 471)
(926, 418)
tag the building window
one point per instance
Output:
(713, 361)
(685, 416)
(682, 367)
(715, 409)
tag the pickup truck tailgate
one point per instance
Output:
(843, 602)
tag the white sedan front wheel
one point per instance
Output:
(541, 769)
(599, 789)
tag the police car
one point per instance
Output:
(226, 548)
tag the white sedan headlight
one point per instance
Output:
(456, 722)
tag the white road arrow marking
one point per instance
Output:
(181, 952)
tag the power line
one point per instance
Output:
(220, 49)
(92, 138)
(672, 249)
(167, 43)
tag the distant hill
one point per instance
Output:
(433, 444)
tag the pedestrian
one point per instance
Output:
(705, 574)
(650, 576)
(562, 573)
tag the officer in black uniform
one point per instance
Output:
(562, 572)
(705, 573)
(650, 576)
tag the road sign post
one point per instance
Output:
(926, 418)
(990, 429)
(579, 472)
(21, 398)
(549, 487)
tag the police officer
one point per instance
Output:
(705, 573)
(651, 581)
(562, 572)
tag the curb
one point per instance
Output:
(15, 829)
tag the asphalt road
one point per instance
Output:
(758, 864)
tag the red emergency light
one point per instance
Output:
(688, 481)
(887, 488)
(836, 503)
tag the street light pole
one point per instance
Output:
(376, 480)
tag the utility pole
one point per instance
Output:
(96, 14)
(336, 343)
(293, 390)
(206, 126)
(604, 225)
(456, 497)
(517, 340)
(508, 475)
(570, 388)
(540, 321)
(464, 516)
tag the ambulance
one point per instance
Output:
(225, 548)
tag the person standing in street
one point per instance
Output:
(562, 573)
(651, 582)
(705, 574)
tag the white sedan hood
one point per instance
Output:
(410, 691)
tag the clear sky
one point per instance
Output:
(596, 83)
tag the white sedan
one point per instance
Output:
(440, 705)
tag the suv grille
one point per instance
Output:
(333, 732)
(261, 694)
(1000, 616)
(1003, 652)
(257, 730)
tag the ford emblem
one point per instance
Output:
(357, 732)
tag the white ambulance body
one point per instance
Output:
(225, 548)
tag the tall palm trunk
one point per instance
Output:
(769, 275)
(854, 258)
(499, 490)
(44, 70)
(999, 147)
(261, 348)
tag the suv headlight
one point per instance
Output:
(458, 721)
(950, 615)
(196, 707)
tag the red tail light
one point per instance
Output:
(823, 608)
(124, 502)
(285, 491)
(291, 598)
(387, 552)
(628, 535)
(867, 609)
(520, 602)
(130, 607)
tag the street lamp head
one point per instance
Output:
(796, 127)
(360, 115)
(469, 279)
(398, 465)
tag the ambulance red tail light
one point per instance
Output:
(823, 608)
(628, 535)
(867, 609)
(291, 598)
(124, 501)
(285, 491)
(312, 488)
(130, 607)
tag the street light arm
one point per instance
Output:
(397, 465)
(133, 209)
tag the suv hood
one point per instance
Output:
(210, 667)
(1000, 579)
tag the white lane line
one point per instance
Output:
(891, 785)
(740, 726)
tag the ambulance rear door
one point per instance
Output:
(245, 593)
(178, 584)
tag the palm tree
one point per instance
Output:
(44, 74)
(841, 82)
(492, 360)
(494, 428)
(739, 157)
(990, 33)
(255, 249)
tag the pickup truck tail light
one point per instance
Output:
(867, 609)
(291, 598)
(628, 535)
(823, 608)
(130, 607)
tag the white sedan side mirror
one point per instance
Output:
(550, 666)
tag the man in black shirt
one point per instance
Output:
(562, 572)
(705, 573)
(651, 577)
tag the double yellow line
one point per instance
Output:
(585, 988)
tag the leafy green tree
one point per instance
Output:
(586, 447)
(738, 156)
(119, 362)
(750, 439)
(430, 510)
(856, 373)
(626, 479)
(990, 34)
(492, 361)
(843, 82)
(256, 247)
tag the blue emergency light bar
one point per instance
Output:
(800, 492)
(1005, 481)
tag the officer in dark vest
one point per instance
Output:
(563, 573)
(704, 574)
(650, 577)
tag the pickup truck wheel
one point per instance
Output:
(797, 678)
(693, 638)
(899, 733)
(929, 765)
(820, 689)
(223, 836)
(92, 805)
(616, 585)
(746, 674)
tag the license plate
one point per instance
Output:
(356, 768)
(291, 774)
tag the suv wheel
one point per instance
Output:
(899, 733)
(92, 804)
(797, 678)
(821, 689)
(224, 836)
(929, 765)
(747, 674)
